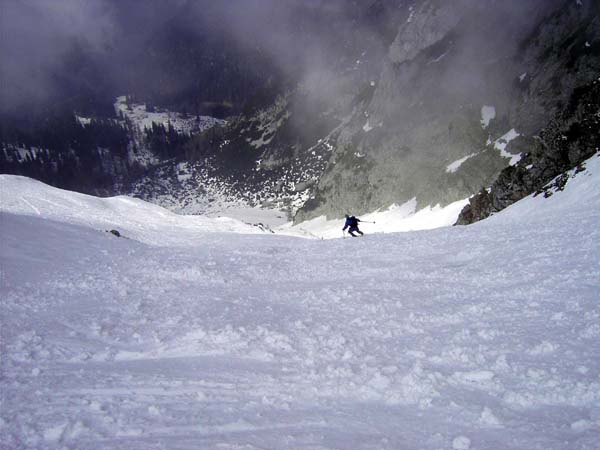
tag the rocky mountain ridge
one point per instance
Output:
(564, 145)
(425, 110)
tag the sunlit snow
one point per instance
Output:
(135, 218)
(395, 219)
(186, 333)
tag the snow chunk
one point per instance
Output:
(54, 433)
(476, 377)
(489, 418)
(461, 443)
(543, 348)
(582, 425)
(380, 382)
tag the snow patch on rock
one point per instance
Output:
(488, 113)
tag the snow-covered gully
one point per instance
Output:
(179, 336)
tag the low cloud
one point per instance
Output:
(303, 38)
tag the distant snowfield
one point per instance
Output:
(143, 119)
(203, 333)
(395, 219)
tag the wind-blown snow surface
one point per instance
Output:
(484, 336)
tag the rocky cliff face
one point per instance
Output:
(447, 66)
(565, 144)
(562, 91)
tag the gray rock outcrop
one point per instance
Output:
(559, 153)
(424, 112)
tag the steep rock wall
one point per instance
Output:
(424, 112)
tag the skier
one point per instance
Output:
(352, 225)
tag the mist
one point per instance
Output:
(51, 50)
(36, 36)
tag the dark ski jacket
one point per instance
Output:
(351, 222)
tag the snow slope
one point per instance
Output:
(397, 218)
(134, 218)
(484, 336)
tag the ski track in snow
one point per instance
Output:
(484, 336)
